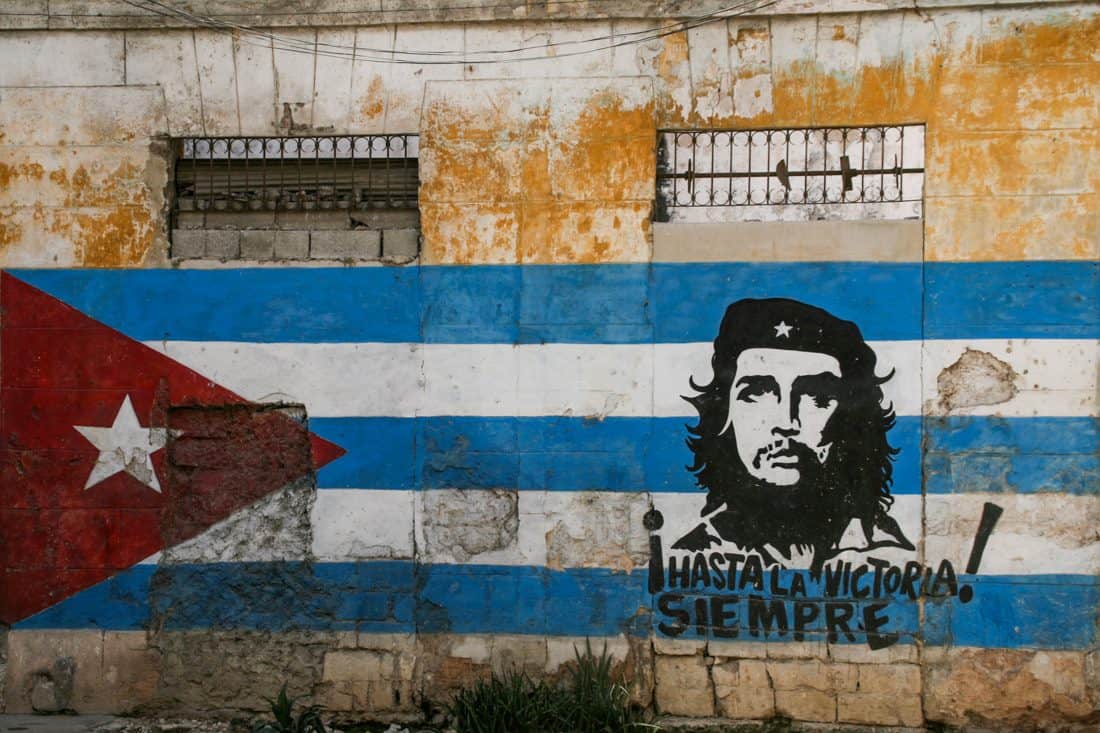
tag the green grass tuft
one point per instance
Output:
(282, 709)
(592, 700)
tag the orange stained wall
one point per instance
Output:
(561, 172)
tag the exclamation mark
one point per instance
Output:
(990, 514)
(653, 521)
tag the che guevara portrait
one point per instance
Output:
(792, 442)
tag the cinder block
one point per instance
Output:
(352, 244)
(291, 245)
(401, 242)
(188, 243)
(257, 244)
(224, 244)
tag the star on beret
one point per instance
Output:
(782, 329)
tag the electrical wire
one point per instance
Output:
(341, 51)
(291, 44)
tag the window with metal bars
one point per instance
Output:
(874, 172)
(305, 197)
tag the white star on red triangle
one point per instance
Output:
(124, 447)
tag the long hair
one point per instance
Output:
(858, 473)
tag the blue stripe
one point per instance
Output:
(283, 305)
(662, 302)
(535, 453)
(1021, 611)
(964, 454)
(884, 299)
(1014, 455)
(1031, 611)
(1012, 300)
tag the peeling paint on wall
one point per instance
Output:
(520, 531)
(977, 378)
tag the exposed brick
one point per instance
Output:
(223, 244)
(400, 242)
(130, 672)
(865, 709)
(188, 243)
(889, 679)
(351, 244)
(813, 674)
(370, 681)
(806, 704)
(257, 244)
(358, 664)
(684, 686)
(678, 647)
(291, 245)
(1003, 688)
(743, 690)
(862, 654)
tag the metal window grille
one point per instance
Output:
(800, 167)
(354, 172)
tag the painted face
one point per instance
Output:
(780, 403)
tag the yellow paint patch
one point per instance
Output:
(118, 237)
(10, 231)
(1023, 162)
(1067, 39)
(1011, 143)
(123, 185)
(584, 232)
(373, 103)
(674, 77)
(1011, 118)
(609, 155)
(24, 171)
(463, 171)
(1017, 97)
(545, 191)
(501, 113)
(466, 234)
(1012, 227)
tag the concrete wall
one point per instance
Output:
(380, 483)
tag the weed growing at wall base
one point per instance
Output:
(282, 708)
(592, 700)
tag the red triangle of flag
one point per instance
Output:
(86, 486)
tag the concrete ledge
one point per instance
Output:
(798, 241)
(282, 13)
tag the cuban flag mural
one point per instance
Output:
(726, 451)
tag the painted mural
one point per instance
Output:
(786, 494)
(792, 448)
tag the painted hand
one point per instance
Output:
(797, 556)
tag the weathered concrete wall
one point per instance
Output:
(93, 14)
(508, 418)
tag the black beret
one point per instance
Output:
(781, 323)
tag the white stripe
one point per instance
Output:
(362, 524)
(1053, 377)
(1037, 534)
(1050, 377)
